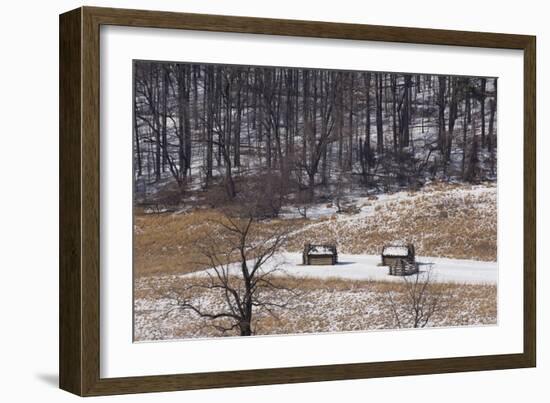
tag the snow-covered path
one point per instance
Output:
(365, 267)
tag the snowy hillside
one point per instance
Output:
(237, 168)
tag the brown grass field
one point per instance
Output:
(320, 306)
(439, 220)
(452, 221)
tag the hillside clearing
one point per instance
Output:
(447, 221)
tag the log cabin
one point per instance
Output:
(319, 255)
(395, 254)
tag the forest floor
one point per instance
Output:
(454, 224)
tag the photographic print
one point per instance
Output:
(281, 200)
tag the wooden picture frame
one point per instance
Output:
(79, 348)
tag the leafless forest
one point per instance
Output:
(294, 131)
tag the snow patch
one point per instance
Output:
(368, 267)
(395, 251)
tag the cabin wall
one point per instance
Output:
(393, 261)
(390, 261)
(324, 260)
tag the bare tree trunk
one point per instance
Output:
(136, 133)
(209, 87)
(491, 135)
(226, 145)
(164, 117)
(472, 172)
(482, 112)
(367, 121)
(379, 123)
(324, 161)
(180, 79)
(186, 120)
(441, 117)
(405, 116)
(196, 73)
(464, 135)
(350, 124)
(394, 113)
(453, 113)
(156, 128)
(237, 134)
(340, 117)
(306, 126)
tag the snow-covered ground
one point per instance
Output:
(468, 299)
(367, 205)
(366, 267)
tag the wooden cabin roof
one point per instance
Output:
(320, 249)
(395, 250)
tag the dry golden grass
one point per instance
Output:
(440, 221)
(166, 243)
(321, 305)
(163, 241)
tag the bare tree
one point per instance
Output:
(317, 141)
(417, 303)
(235, 254)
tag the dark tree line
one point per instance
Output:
(305, 129)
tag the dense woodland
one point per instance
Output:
(298, 134)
